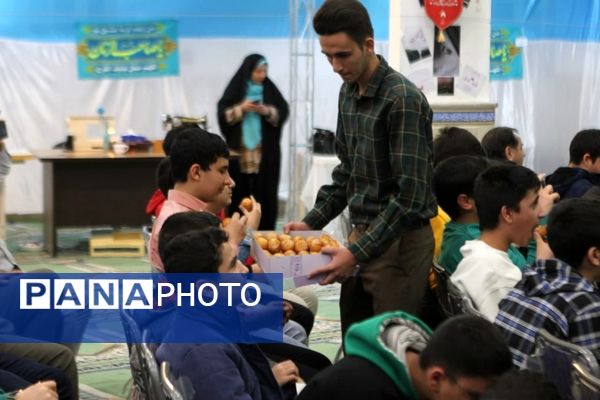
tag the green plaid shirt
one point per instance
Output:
(384, 142)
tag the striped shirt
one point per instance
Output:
(555, 297)
(384, 143)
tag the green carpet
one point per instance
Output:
(104, 368)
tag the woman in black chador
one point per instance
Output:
(251, 114)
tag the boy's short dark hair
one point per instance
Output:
(347, 16)
(523, 384)
(164, 179)
(453, 141)
(195, 252)
(573, 228)
(586, 141)
(467, 346)
(172, 134)
(499, 186)
(453, 177)
(194, 145)
(497, 139)
(184, 222)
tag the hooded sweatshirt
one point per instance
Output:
(375, 362)
(486, 275)
(572, 182)
(552, 296)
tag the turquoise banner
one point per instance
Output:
(127, 50)
(56, 20)
(506, 58)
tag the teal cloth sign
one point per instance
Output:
(127, 50)
(506, 59)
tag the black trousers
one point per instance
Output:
(309, 362)
(18, 373)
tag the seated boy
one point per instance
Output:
(225, 371)
(506, 198)
(395, 356)
(504, 144)
(559, 295)
(453, 182)
(451, 141)
(583, 170)
(199, 166)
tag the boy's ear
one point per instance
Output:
(195, 172)
(506, 214)
(593, 255)
(465, 202)
(508, 153)
(434, 376)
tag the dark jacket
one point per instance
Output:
(221, 371)
(572, 182)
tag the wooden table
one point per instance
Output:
(93, 188)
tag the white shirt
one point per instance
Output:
(486, 275)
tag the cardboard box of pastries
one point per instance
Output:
(294, 255)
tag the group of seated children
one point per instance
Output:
(491, 245)
(489, 248)
(393, 355)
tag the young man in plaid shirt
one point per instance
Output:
(558, 294)
(384, 143)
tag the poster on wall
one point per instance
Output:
(127, 50)
(446, 54)
(506, 58)
(470, 81)
(415, 44)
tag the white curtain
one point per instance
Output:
(556, 98)
(39, 89)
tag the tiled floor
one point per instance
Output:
(103, 368)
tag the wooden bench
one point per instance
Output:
(118, 244)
